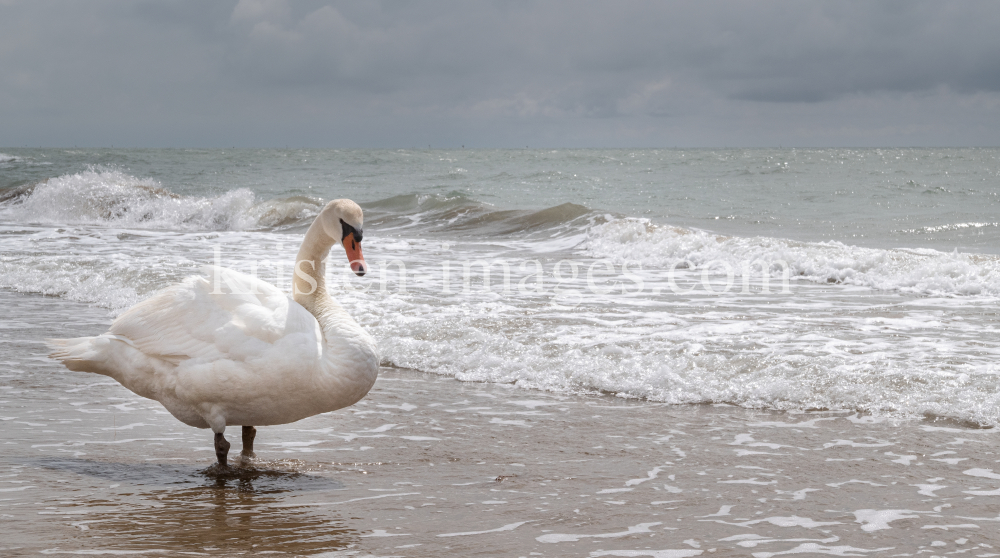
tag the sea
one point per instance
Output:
(862, 280)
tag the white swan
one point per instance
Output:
(230, 349)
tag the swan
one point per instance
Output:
(228, 349)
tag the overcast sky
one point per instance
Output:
(499, 74)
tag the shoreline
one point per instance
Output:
(508, 473)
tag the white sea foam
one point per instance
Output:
(921, 271)
(508, 527)
(666, 553)
(877, 520)
(560, 537)
(814, 348)
(115, 268)
(813, 548)
(680, 360)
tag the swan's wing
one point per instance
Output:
(227, 315)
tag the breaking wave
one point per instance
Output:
(108, 197)
(455, 212)
(115, 198)
(917, 271)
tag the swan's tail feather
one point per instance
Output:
(80, 354)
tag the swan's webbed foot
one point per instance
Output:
(222, 450)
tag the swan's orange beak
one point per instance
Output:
(353, 248)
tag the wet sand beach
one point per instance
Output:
(429, 466)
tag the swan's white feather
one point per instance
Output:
(216, 317)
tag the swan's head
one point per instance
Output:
(342, 221)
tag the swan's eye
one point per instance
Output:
(348, 229)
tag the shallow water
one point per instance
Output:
(861, 280)
(428, 466)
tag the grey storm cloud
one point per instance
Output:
(271, 72)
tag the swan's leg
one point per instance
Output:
(249, 433)
(221, 449)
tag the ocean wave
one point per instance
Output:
(112, 197)
(455, 212)
(421, 203)
(114, 268)
(694, 370)
(7, 161)
(919, 271)
(106, 282)
(950, 227)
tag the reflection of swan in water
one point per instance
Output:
(234, 350)
(239, 510)
(230, 520)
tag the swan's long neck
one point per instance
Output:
(309, 275)
(309, 289)
(350, 355)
